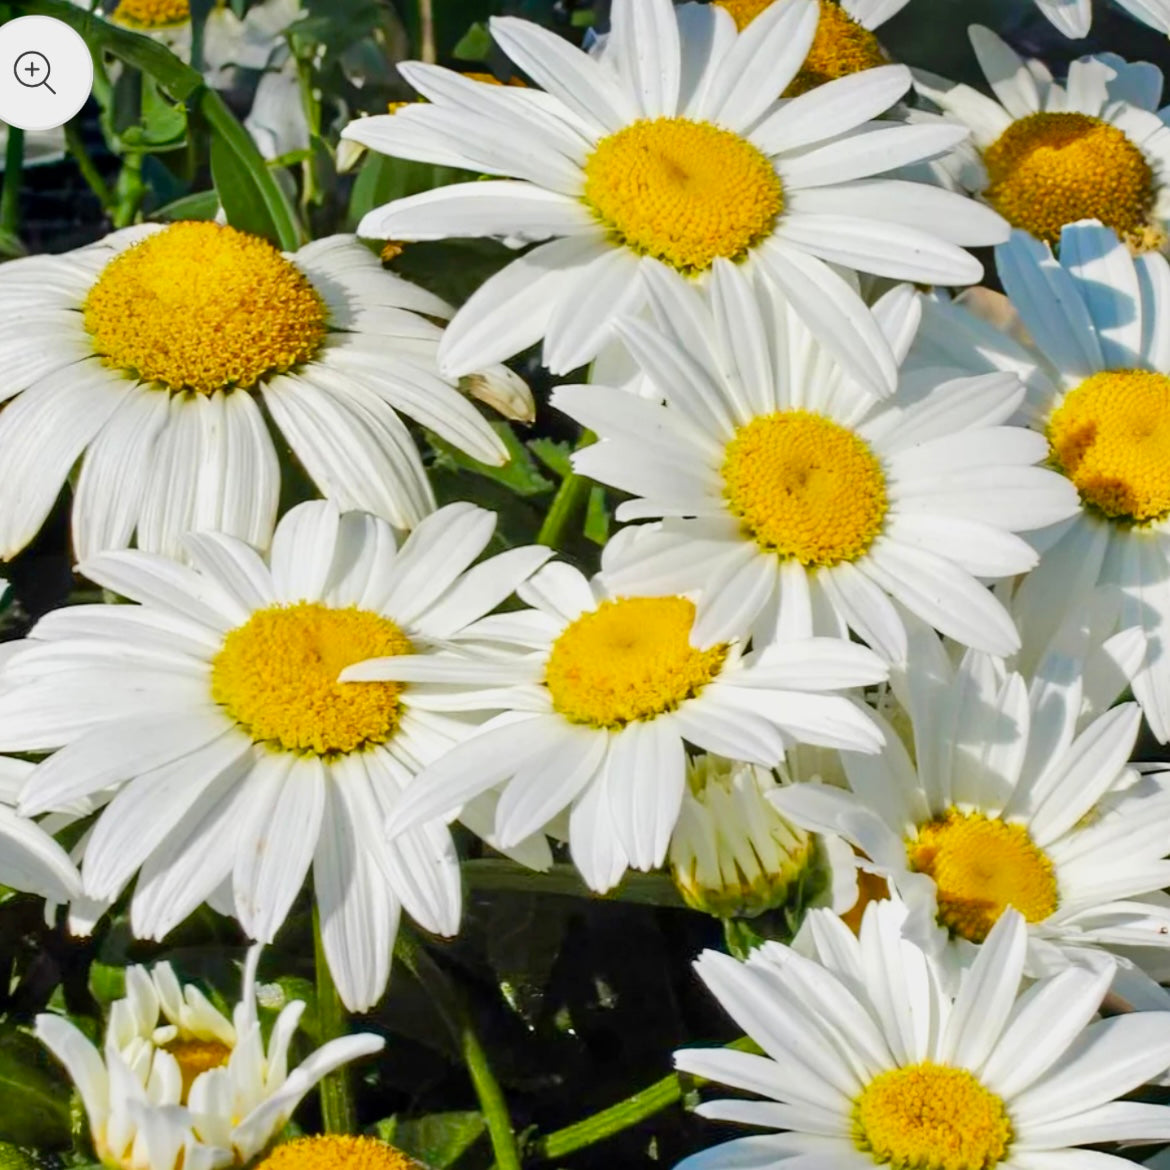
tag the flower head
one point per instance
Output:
(670, 153)
(178, 1085)
(869, 1061)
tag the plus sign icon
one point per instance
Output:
(46, 72)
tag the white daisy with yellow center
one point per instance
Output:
(844, 42)
(796, 503)
(599, 691)
(868, 1061)
(147, 356)
(1006, 793)
(1089, 335)
(209, 721)
(670, 153)
(178, 1086)
(1045, 155)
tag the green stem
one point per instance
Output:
(129, 192)
(338, 1110)
(13, 176)
(568, 503)
(634, 1109)
(85, 165)
(491, 1097)
(455, 1013)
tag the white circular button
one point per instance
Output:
(46, 72)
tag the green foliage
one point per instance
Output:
(34, 1094)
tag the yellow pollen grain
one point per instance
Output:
(276, 676)
(629, 659)
(336, 1152)
(151, 14)
(202, 307)
(1047, 170)
(928, 1116)
(805, 487)
(1111, 437)
(683, 192)
(195, 1057)
(982, 866)
(840, 45)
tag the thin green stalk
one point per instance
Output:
(13, 177)
(634, 1109)
(456, 1015)
(568, 504)
(426, 31)
(338, 1110)
(85, 165)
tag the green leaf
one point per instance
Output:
(200, 205)
(252, 199)
(554, 454)
(597, 517)
(439, 1139)
(520, 474)
(163, 122)
(34, 1095)
(475, 44)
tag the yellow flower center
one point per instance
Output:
(930, 1117)
(1047, 170)
(276, 676)
(805, 487)
(683, 192)
(982, 866)
(840, 46)
(149, 14)
(336, 1152)
(195, 1057)
(1111, 437)
(202, 307)
(631, 658)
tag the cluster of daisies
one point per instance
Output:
(890, 558)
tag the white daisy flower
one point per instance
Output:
(796, 503)
(1006, 794)
(1045, 155)
(1096, 360)
(180, 1087)
(147, 356)
(30, 860)
(669, 153)
(869, 1061)
(209, 721)
(599, 690)
(844, 42)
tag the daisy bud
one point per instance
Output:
(732, 854)
(503, 390)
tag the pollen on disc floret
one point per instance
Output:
(683, 192)
(981, 866)
(929, 1116)
(805, 487)
(840, 46)
(152, 14)
(276, 676)
(629, 659)
(337, 1152)
(1052, 169)
(203, 307)
(195, 1057)
(1111, 437)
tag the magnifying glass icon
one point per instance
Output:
(31, 69)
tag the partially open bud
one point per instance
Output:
(732, 854)
(503, 390)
